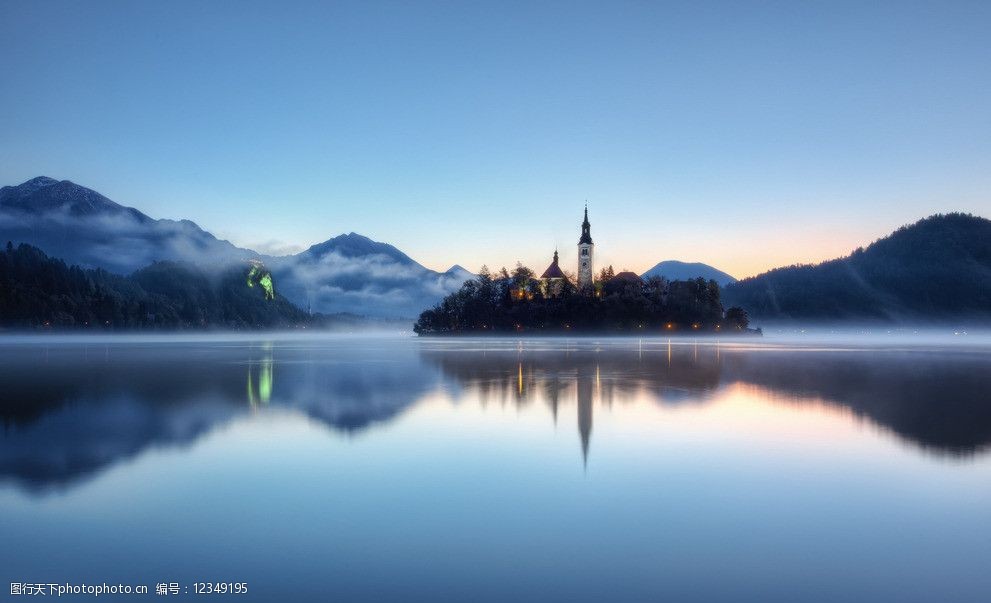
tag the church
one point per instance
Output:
(553, 278)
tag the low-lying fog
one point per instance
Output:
(853, 335)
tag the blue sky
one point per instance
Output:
(742, 134)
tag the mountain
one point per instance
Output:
(353, 246)
(85, 228)
(460, 273)
(349, 273)
(352, 273)
(936, 269)
(673, 270)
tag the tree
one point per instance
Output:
(737, 318)
(606, 273)
(522, 275)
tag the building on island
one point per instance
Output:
(552, 280)
(585, 251)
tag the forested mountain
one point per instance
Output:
(347, 273)
(39, 291)
(936, 269)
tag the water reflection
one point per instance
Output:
(264, 378)
(71, 411)
(936, 399)
(583, 375)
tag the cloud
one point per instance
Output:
(120, 242)
(373, 284)
(275, 247)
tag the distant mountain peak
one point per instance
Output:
(43, 194)
(353, 245)
(39, 182)
(459, 272)
(678, 270)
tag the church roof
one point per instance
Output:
(586, 230)
(553, 271)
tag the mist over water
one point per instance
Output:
(965, 333)
(390, 467)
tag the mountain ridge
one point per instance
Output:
(936, 268)
(78, 224)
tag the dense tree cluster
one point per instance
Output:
(509, 302)
(937, 268)
(39, 291)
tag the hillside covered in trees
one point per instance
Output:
(37, 291)
(519, 302)
(934, 270)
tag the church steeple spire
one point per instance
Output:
(586, 229)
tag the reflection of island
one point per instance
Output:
(585, 376)
(938, 400)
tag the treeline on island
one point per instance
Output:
(510, 302)
(40, 291)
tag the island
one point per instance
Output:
(620, 302)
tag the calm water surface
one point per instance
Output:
(397, 469)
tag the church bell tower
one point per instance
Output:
(585, 248)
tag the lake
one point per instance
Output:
(386, 468)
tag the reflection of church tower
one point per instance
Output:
(584, 413)
(553, 394)
(585, 248)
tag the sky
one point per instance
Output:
(747, 135)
